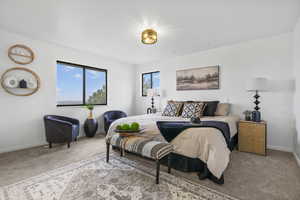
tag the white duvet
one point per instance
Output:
(207, 144)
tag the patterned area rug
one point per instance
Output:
(120, 179)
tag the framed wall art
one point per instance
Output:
(202, 78)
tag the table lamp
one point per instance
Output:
(152, 93)
(257, 84)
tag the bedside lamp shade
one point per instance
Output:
(257, 84)
(152, 92)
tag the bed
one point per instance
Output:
(194, 147)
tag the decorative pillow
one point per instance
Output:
(192, 110)
(211, 107)
(180, 102)
(222, 109)
(172, 109)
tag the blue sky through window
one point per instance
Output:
(69, 85)
(150, 80)
(155, 80)
(95, 80)
(146, 83)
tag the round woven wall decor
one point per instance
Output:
(23, 74)
(21, 54)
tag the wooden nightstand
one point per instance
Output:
(253, 137)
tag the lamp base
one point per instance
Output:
(151, 110)
(256, 116)
(256, 102)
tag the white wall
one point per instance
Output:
(296, 56)
(21, 117)
(21, 122)
(270, 57)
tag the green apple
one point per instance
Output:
(135, 126)
(119, 127)
(125, 127)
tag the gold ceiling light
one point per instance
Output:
(149, 36)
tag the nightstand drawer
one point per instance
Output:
(252, 137)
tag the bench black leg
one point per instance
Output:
(157, 171)
(50, 145)
(107, 152)
(169, 164)
(69, 144)
(121, 152)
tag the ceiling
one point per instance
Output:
(112, 28)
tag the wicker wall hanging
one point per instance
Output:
(20, 81)
(21, 54)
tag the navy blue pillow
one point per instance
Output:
(210, 108)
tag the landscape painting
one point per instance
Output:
(202, 78)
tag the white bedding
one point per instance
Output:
(207, 144)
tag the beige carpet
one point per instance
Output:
(249, 176)
(120, 179)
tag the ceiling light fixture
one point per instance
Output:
(149, 36)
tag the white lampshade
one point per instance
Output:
(152, 92)
(257, 84)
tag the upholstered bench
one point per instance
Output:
(145, 146)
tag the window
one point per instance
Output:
(78, 85)
(150, 80)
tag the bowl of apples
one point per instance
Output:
(128, 129)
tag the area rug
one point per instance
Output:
(120, 179)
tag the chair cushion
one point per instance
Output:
(75, 127)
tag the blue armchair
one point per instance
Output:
(60, 129)
(111, 116)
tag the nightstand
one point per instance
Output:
(253, 137)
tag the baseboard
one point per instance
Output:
(27, 146)
(297, 158)
(21, 147)
(280, 148)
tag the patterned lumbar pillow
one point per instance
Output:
(192, 110)
(172, 109)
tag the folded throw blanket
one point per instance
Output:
(171, 129)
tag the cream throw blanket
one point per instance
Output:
(207, 144)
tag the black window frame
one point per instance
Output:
(84, 68)
(151, 79)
